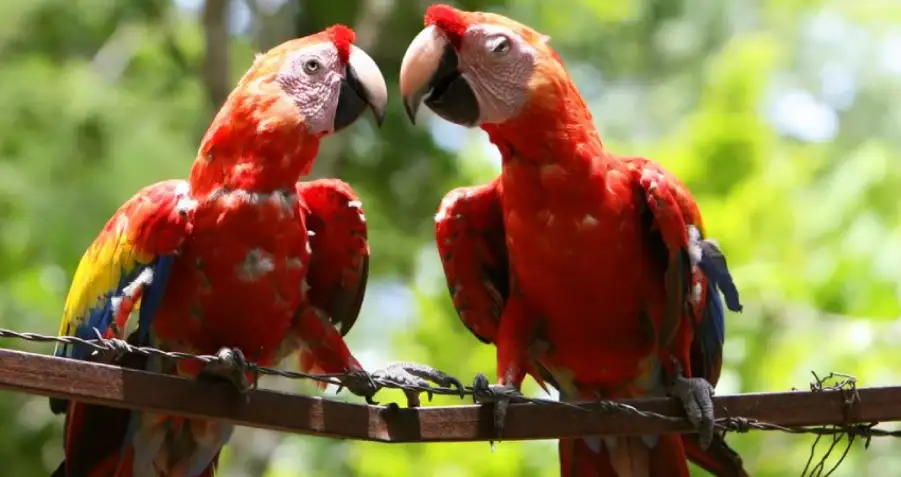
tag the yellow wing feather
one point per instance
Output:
(121, 262)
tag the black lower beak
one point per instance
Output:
(450, 95)
(353, 100)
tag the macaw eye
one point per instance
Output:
(498, 45)
(311, 67)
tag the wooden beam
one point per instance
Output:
(125, 388)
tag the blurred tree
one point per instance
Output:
(781, 116)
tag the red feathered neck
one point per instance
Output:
(342, 37)
(554, 128)
(447, 19)
(250, 147)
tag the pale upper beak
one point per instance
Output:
(363, 87)
(419, 65)
(430, 72)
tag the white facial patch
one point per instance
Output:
(312, 78)
(498, 64)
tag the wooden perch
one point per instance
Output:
(109, 385)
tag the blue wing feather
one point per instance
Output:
(711, 331)
(710, 336)
(713, 264)
(99, 318)
(154, 295)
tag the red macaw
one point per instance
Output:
(238, 260)
(587, 270)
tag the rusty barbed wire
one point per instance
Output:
(843, 383)
(847, 386)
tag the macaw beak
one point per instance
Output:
(363, 86)
(430, 71)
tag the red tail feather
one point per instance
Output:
(94, 434)
(125, 467)
(719, 459)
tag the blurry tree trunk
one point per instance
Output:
(272, 25)
(216, 69)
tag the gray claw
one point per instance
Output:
(696, 395)
(116, 349)
(416, 379)
(232, 366)
(361, 384)
(497, 395)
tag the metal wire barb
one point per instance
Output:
(842, 383)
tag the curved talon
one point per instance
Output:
(232, 366)
(361, 384)
(116, 349)
(413, 378)
(497, 394)
(696, 395)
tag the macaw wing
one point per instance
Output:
(469, 230)
(128, 263)
(695, 271)
(339, 244)
(707, 357)
(710, 333)
(695, 267)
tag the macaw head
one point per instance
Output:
(267, 133)
(475, 68)
(322, 82)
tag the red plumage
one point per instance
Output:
(448, 20)
(586, 269)
(237, 257)
(343, 38)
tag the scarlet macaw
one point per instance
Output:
(239, 260)
(586, 269)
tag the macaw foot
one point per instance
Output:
(696, 395)
(115, 349)
(498, 395)
(231, 366)
(413, 378)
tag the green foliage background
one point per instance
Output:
(782, 116)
